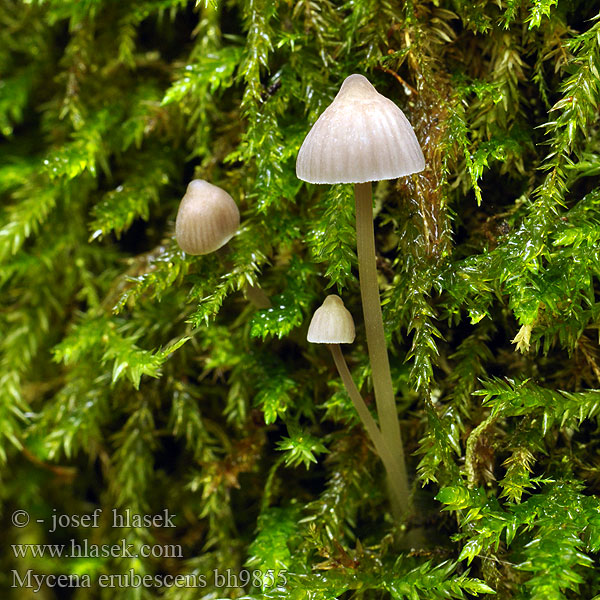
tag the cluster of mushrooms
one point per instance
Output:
(361, 137)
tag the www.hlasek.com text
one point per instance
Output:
(122, 549)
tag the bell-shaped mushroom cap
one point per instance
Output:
(361, 136)
(207, 218)
(332, 323)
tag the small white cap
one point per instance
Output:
(207, 218)
(361, 136)
(332, 323)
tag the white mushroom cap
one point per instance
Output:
(207, 218)
(332, 323)
(361, 136)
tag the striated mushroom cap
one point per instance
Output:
(332, 323)
(207, 218)
(361, 136)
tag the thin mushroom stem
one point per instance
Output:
(257, 296)
(254, 293)
(398, 484)
(376, 343)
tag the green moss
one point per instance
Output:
(135, 377)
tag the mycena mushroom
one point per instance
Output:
(207, 219)
(363, 137)
(332, 324)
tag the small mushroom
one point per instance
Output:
(362, 137)
(207, 218)
(332, 324)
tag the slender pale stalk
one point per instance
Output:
(376, 344)
(254, 293)
(257, 296)
(395, 469)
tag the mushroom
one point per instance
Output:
(207, 218)
(332, 324)
(363, 137)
